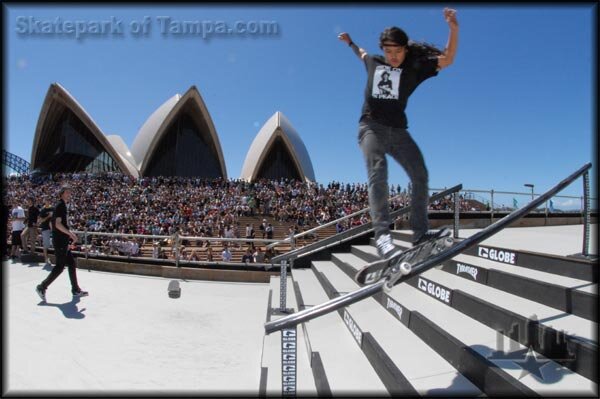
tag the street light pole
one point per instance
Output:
(531, 187)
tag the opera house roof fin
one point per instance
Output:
(64, 122)
(278, 139)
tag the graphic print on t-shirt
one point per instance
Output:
(386, 81)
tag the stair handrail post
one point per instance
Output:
(492, 214)
(586, 214)
(176, 238)
(85, 234)
(283, 286)
(456, 213)
(288, 361)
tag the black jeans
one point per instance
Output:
(63, 257)
(377, 140)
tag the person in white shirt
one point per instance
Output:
(17, 221)
(259, 256)
(226, 255)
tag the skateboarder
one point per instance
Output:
(383, 123)
(60, 238)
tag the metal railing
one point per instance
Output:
(496, 207)
(174, 243)
(370, 290)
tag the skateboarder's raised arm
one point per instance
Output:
(360, 53)
(447, 58)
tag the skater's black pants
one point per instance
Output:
(377, 140)
(64, 257)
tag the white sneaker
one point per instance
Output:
(385, 248)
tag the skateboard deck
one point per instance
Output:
(404, 261)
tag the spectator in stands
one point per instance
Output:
(263, 228)
(30, 233)
(248, 258)
(135, 248)
(269, 231)
(5, 217)
(250, 232)
(195, 257)
(18, 225)
(44, 218)
(290, 233)
(259, 256)
(226, 254)
(184, 253)
(237, 234)
(163, 254)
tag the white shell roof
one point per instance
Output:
(142, 141)
(121, 149)
(58, 93)
(157, 124)
(277, 126)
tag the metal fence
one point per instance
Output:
(122, 246)
(507, 201)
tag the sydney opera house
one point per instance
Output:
(178, 139)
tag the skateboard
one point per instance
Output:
(402, 263)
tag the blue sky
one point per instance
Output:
(516, 107)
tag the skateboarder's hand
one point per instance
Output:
(345, 37)
(450, 17)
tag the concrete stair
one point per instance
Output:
(470, 327)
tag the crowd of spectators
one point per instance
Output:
(117, 203)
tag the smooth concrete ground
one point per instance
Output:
(129, 336)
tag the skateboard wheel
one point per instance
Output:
(405, 268)
(387, 286)
(448, 242)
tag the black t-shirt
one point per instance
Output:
(60, 211)
(388, 88)
(32, 215)
(44, 213)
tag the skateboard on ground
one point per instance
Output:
(402, 263)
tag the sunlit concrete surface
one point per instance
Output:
(553, 240)
(129, 336)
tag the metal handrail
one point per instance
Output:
(370, 290)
